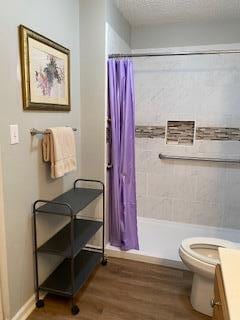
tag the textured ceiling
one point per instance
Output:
(149, 12)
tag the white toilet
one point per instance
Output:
(200, 255)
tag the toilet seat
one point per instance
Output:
(187, 245)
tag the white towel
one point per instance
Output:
(59, 148)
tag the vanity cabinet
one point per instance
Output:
(219, 302)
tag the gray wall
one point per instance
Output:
(93, 97)
(185, 34)
(4, 308)
(118, 23)
(25, 177)
(93, 88)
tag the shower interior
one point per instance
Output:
(177, 199)
(182, 199)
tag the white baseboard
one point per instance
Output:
(144, 258)
(27, 308)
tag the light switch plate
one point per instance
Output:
(14, 135)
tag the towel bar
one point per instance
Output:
(34, 131)
(166, 157)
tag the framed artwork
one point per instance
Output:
(45, 67)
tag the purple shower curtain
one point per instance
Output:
(122, 186)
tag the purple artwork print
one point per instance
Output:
(47, 76)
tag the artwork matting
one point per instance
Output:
(45, 67)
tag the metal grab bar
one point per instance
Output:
(34, 131)
(169, 157)
(109, 166)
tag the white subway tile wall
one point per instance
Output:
(204, 89)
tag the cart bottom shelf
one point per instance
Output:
(59, 282)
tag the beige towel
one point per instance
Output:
(59, 148)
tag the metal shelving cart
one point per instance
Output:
(70, 242)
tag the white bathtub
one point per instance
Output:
(159, 240)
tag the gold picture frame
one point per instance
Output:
(45, 67)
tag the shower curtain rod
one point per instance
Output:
(168, 54)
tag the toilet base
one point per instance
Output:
(202, 294)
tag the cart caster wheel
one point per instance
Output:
(75, 310)
(40, 304)
(104, 261)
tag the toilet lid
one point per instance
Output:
(196, 247)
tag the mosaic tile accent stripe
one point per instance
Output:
(150, 132)
(180, 132)
(202, 133)
(218, 134)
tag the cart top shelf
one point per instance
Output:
(76, 198)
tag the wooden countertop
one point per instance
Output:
(230, 266)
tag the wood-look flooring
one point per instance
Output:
(128, 290)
